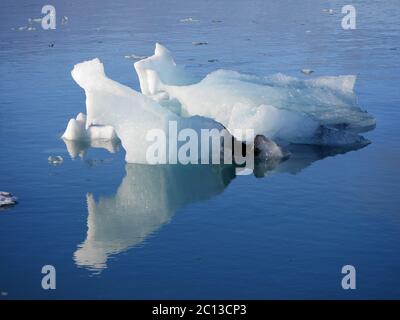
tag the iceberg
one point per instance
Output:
(281, 110)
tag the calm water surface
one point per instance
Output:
(116, 230)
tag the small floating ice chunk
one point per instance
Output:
(7, 199)
(5, 194)
(199, 43)
(27, 28)
(37, 20)
(330, 11)
(55, 160)
(307, 71)
(134, 57)
(188, 20)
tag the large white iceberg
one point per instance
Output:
(320, 111)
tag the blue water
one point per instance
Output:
(114, 230)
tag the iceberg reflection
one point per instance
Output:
(149, 195)
(302, 156)
(146, 199)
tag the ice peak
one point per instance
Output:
(160, 50)
(84, 73)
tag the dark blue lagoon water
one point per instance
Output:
(117, 230)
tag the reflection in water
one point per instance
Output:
(301, 157)
(149, 195)
(146, 199)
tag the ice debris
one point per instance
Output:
(134, 57)
(188, 20)
(330, 11)
(307, 71)
(37, 20)
(64, 20)
(199, 43)
(55, 160)
(7, 199)
(23, 28)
